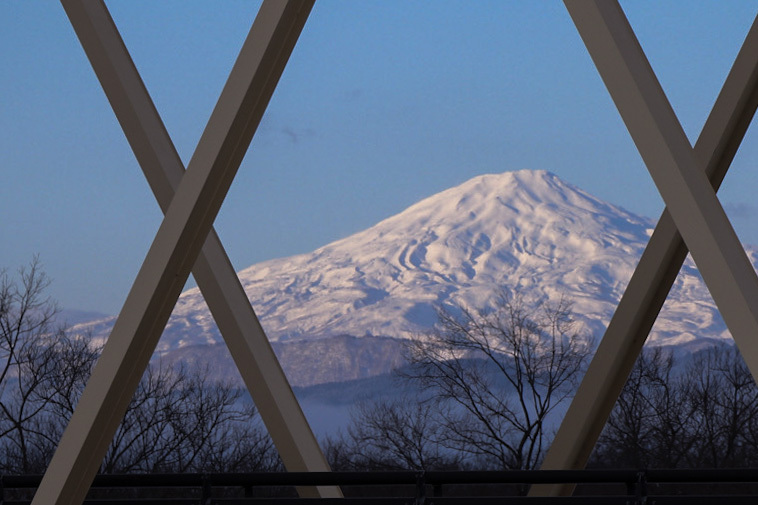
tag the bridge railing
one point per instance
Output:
(623, 487)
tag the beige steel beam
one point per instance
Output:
(174, 251)
(652, 280)
(215, 275)
(674, 167)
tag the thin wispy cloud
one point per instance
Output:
(296, 136)
(741, 210)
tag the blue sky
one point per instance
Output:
(383, 103)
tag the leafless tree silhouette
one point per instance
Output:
(495, 375)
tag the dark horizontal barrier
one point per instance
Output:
(700, 486)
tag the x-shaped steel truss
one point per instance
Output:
(185, 241)
(687, 179)
(693, 220)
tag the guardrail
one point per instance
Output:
(623, 487)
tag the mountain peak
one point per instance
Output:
(493, 196)
(526, 230)
(535, 208)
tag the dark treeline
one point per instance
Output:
(177, 420)
(702, 414)
(488, 381)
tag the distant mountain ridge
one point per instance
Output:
(525, 230)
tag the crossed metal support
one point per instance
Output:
(185, 241)
(686, 178)
(693, 221)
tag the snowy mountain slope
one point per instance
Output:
(526, 230)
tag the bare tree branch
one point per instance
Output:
(499, 373)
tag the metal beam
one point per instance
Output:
(215, 275)
(652, 280)
(673, 165)
(174, 251)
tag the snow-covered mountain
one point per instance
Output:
(525, 230)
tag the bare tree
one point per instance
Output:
(703, 416)
(674, 427)
(497, 374)
(652, 422)
(27, 338)
(399, 434)
(724, 401)
(239, 445)
(73, 357)
(26, 316)
(177, 420)
(339, 452)
(214, 429)
(144, 441)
